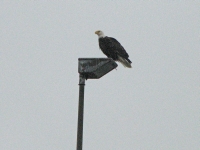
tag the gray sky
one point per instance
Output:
(153, 106)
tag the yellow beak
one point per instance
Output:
(96, 32)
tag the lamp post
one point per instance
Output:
(89, 68)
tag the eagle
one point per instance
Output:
(113, 49)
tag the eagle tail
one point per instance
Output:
(124, 62)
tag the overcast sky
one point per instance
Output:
(153, 106)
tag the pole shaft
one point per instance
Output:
(80, 113)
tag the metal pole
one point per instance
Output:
(80, 113)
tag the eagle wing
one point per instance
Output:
(107, 46)
(118, 48)
(112, 48)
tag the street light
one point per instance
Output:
(89, 68)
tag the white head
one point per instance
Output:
(100, 33)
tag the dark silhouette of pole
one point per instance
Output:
(89, 68)
(80, 113)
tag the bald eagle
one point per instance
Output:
(113, 49)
